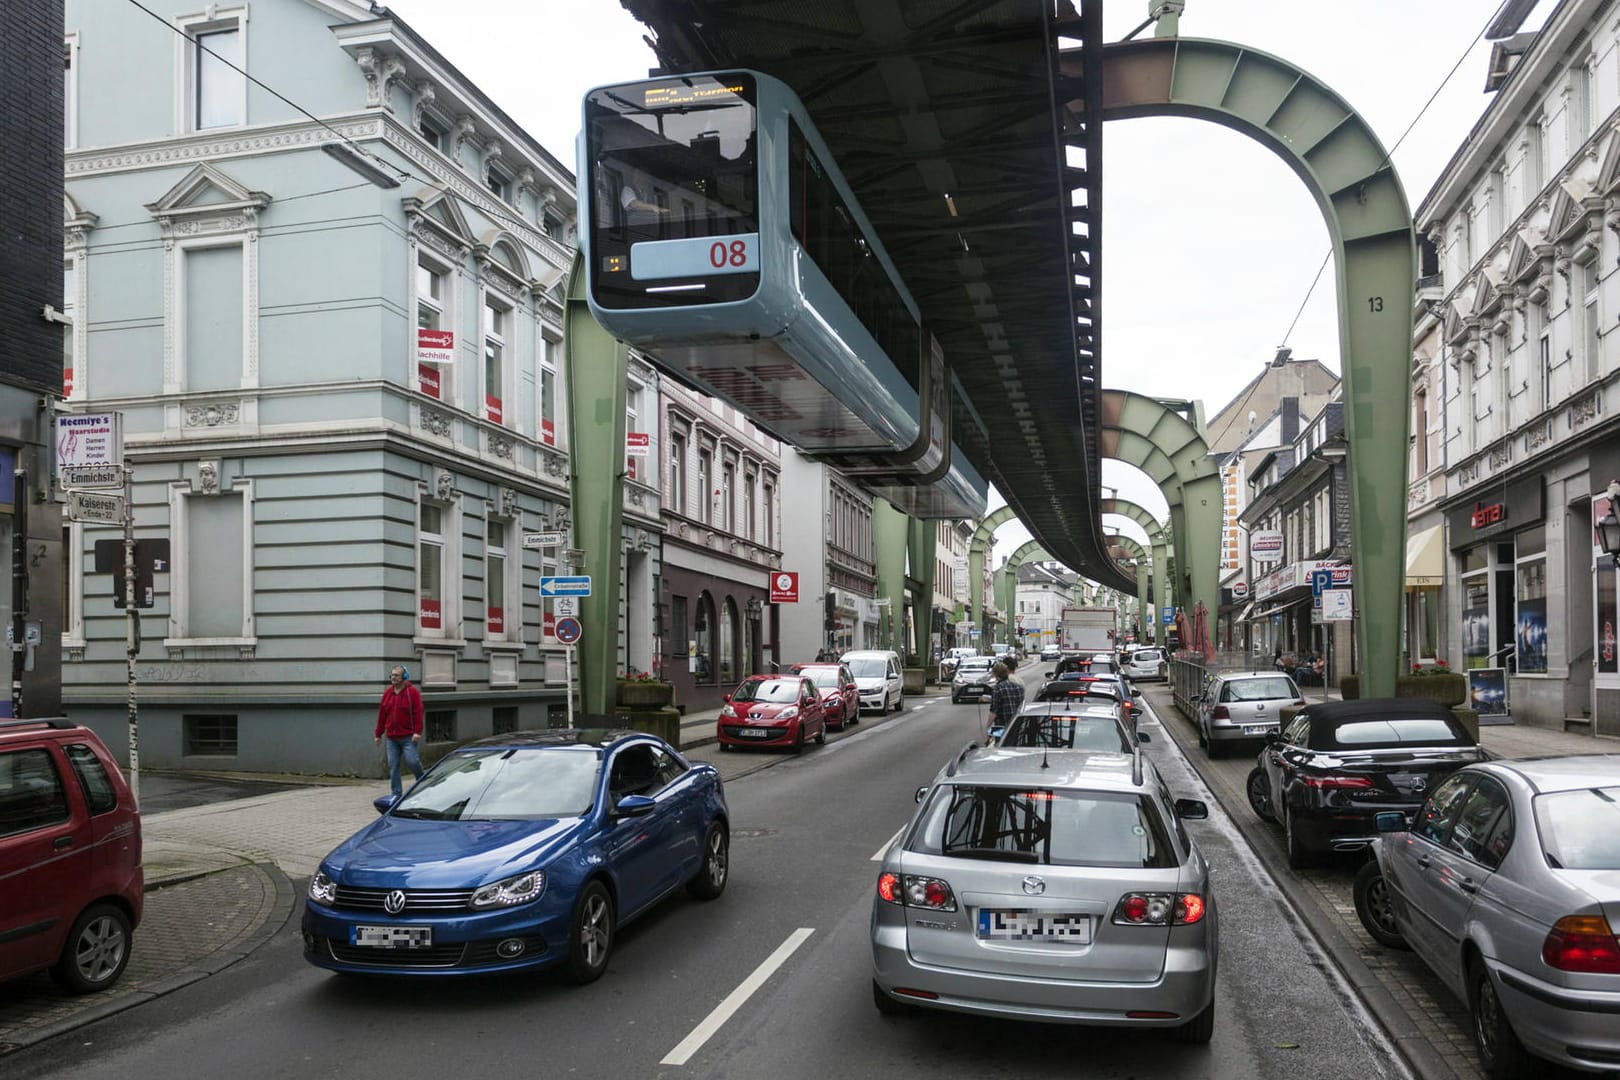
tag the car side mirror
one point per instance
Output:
(1051, 674)
(726, 698)
(922, 793)
(384, 803)
(1390, 821)
(1193, 810)
(1274, 737)
(1143, 737)
(1135, 692)
(633, 806)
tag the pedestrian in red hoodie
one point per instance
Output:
(399, 719)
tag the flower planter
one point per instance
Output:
(1449, 689)
(645, 695)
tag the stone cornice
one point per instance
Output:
(218, 145)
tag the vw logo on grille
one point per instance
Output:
(394, 902)
(1034, 886)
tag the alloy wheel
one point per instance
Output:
(99, 951)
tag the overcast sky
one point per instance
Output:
(1209, 241)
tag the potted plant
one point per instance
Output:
(644, 690)
(1436, 681)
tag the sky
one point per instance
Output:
(1210, 243)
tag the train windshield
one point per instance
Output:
(674, 190)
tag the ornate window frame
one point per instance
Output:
(179, 637)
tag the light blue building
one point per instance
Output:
(333, 330)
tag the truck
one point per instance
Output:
(1089, 629)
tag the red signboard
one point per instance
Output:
(427, 379)
(67, 382)
(548, 625)
(637, 443)
(548, 433)
(1487, 514)
(435, 346)
(431, 615)
(784, 587)
(492, 408)
(497, 620)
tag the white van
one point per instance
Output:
(877, 675)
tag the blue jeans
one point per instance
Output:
(412, 758)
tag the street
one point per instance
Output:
(805, 833)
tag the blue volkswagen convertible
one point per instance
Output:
(520, 851)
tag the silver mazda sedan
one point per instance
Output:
(1058, 887)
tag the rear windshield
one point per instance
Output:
(1398, 731)
(1580, 830)
(1043, 826)
(1259, 689)
(1066, 733)
(868, 667)
(825, 678)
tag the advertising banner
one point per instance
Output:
(1488, 692)
(1266, 546)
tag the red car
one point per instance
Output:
(840, 697)
(70, 856)
(772, 710)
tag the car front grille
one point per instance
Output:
(435, 956)
(349, 898)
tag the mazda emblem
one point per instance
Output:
(1034, 886)
(394, 902)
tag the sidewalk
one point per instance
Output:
(223, 879)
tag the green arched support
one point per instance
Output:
(977, 548)
(1130, 547)
(597, 366)
(1346, 169)
(890, 536)
(1171, 449)
(1158, 540)
(920, 545)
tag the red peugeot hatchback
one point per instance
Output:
(772, 710)
(71, 883)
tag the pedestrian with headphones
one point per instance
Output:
(399, 720)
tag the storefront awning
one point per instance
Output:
(1425, 559)
(1276, 608)
(1243, 616)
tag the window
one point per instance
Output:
(496, 320)
(1434, 821)
(1582, 101)
(1484, 828)
(215, 90)
(212, 320)
(430, 567)
(1530, 631)
(770, 514)
(439, 726)
(209, 734)
(1592, 330)
(499, 184)
(750, 481)
(435, 131)
(548, 391)
(677, 473)
(504, 720)
(705, 492)
(70, 296)
(99, 794)
(70, 91)
(31, 792)
(211, 587)
(497, 599)
(632, 420)
(72, 585)
(435, 336)
(728, 506)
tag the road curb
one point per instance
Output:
(1404, 1032)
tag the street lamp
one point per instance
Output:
(755, 608)
(1608, 526)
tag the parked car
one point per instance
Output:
(772, 710)
(972, 679)
(71, 882)
(525, 850)
(1240, 707)
(1058, 887)
(840, 697)
(1051, 652)
(1507, 884)
(877, 676)
(1145, 663)
(1337, 765)
(954, 656)
(1093, 725)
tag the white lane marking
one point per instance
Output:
(734, 1000)
(886, 845)
(861, 736)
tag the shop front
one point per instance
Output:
(1283, 621)
(720, 630)
(1605, 708)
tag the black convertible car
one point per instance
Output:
(1331, 768)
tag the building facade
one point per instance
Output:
(1044, 589)
(827, 540)
(336, 347)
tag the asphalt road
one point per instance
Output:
(805, 836)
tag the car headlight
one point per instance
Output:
(514, 890)
(729, 713)
(788, 714)
(322, 889)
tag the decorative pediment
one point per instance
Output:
(207, 200)
(1608, 178)
(1489, 293)
(76, 220)
(1575, 219)
(434, 219)
(1530, 265)
(1457, 329)
(500, 256)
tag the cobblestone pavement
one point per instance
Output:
(188, 931)
(1428, 1022)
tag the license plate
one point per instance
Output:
(1254, 729)
(1011, 924)
(755, 732)
(392, 937)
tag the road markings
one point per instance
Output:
(734, 1001)
(887, 844)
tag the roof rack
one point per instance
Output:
(950, 770)
(59, 722)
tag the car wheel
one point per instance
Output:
(798, 742)
(1199, 1029)
(96, 951)
(899, 701)
(591, 938)
(1374, 908)
(711, 876)
(1203, 740)
(887, 1005)
(1298, 856)
(855, 714)
(1501, 1055)
(821, 734)
(725, 748)
(1259, 790)
(954, 699)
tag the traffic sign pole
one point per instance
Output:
(568, 682)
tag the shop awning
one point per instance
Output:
(1425, 559)
(1243, 616)
(1276, 608)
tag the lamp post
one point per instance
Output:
(1608, 526)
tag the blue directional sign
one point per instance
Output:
(1169, 615)
(566, 586)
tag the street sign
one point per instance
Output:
(92, 476)
(637, 443)
(1336, 606)
(784, 587)
(90, 439)
(538, 540)
(565, 606)
(1167, 615)
(95, 507)
(566, 586)
(568, 630)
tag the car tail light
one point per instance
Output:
(1582, 943)
(1220, 712)
(1325, 783)
(916, 891)
(1298, 701)
(1159, 909)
